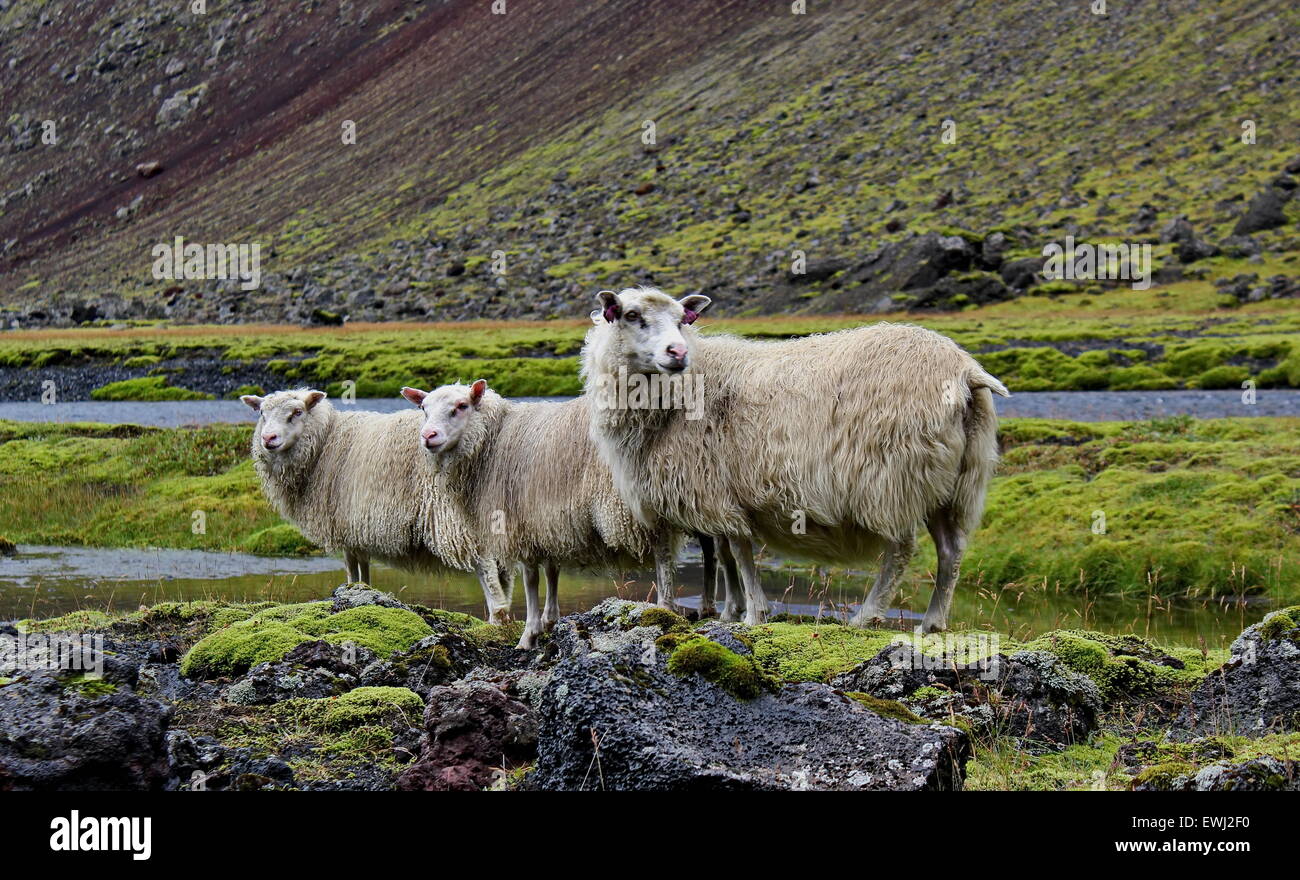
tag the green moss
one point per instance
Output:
(1162, 776)
(494, 633)
(666, 620)
(798, 652)
(738, 675)
(373, 706)
(281, 540)
(1222, 377)
(86, 620)
(146, 388)
(270, 634)
(1281, 624)
(1121, 665)
(1003, 764)
(243, 390)
(887, 708)
(89, 687)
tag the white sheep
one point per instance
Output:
(359, 482)
(832, 447)
(528, 476)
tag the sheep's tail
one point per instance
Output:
(978, 378)
(980, 458)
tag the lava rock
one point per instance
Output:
(1029, 694)
(473, 732)
(1257, 691)
(54, 736)
(613, 716)
(1265, 211)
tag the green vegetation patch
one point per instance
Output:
(270, 634)
(737, 674)
(146, 388)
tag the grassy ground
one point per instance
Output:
(1176, 508)
(1179, 336)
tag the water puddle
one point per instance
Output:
(49, 581)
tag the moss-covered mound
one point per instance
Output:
(270, 634)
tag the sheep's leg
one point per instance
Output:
(533, 622)
(733, 604)
(949, 544)
(755, 601)
(506, 579)
(489, 578)
(709, 550)
(552, 612)
(351, 565)
(364, 568)
(892, 564)
(665, 571)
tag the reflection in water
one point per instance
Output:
(48, 581)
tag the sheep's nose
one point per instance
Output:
(429, 434)
(677, 352)
(269, 438)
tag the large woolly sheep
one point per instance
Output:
(360, 483)
(528, 477)
(832, 447)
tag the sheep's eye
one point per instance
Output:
(296, 413)
(462, 406)
(632, 316)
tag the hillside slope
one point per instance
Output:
(521, 136)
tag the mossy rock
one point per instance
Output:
(886, 708)
(1281, 624)
(1161, 777)
(373, 706)
(736, 674)
(270, 634)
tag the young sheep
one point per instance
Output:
(528, 477)
(359, 482)
(833, 447)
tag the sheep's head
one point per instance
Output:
(281, 417)
(648, 326)
(447, 412)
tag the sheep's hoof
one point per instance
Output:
(936, 626)
(527, 642)
(867, 620)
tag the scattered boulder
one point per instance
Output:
(1258, 690)
(1022, 274)
(474, 735)
(76, 734)
(1265, 211)
(615, 716)
(1030, 694)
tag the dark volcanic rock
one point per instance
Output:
(53, 736)
(473, 732)
(1258, 690)
(1265, 211)
(1022, 274)
(1029, 694)
(614, 717)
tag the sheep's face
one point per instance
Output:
(281, 417)
(447, 412)
(648, 325)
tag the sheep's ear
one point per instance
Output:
(694, 306)
(415, 395)
(253, 401)
(311, 398)
(610, 306)
(477, 390)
